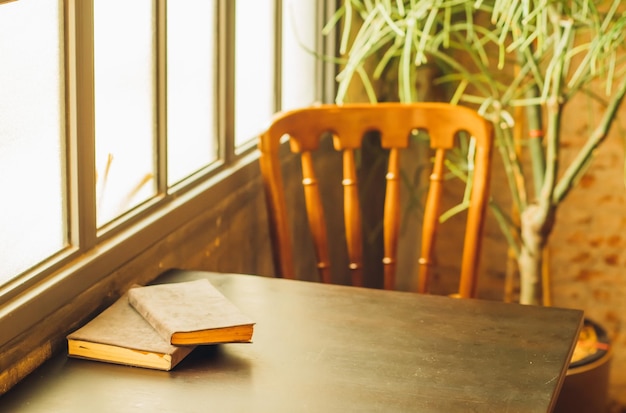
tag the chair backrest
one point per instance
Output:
(395, 122)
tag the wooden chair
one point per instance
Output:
(395, 122)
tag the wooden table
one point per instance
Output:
(325, 348)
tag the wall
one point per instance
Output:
(588, 245)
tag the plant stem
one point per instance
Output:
(534, 118)
(537, 220)
(577, 167)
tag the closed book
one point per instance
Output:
(191, 313)
(120, 335)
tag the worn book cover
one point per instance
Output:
(191, 313)
(120, 335)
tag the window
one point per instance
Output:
(254, 67)
(125, 109)
(299, 62)
(111, 110)
(191, 128)
(259, 92)
(32, 133)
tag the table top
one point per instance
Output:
(328, 348)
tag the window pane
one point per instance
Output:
(124, 43)
(254, 67)
(298, 60)
(31, 134)
(191, 136)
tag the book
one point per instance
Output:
(121, 335)
(191, 313)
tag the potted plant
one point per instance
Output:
(546, 53)
(518, 63)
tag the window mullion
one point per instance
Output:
(81, 124)
(161, 97)
(278, 54)
(226, 79)
(327, 44)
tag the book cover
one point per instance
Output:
(191, 313)
(120, 335)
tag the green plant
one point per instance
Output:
(499, 55)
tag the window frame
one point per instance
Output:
(94, 254)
